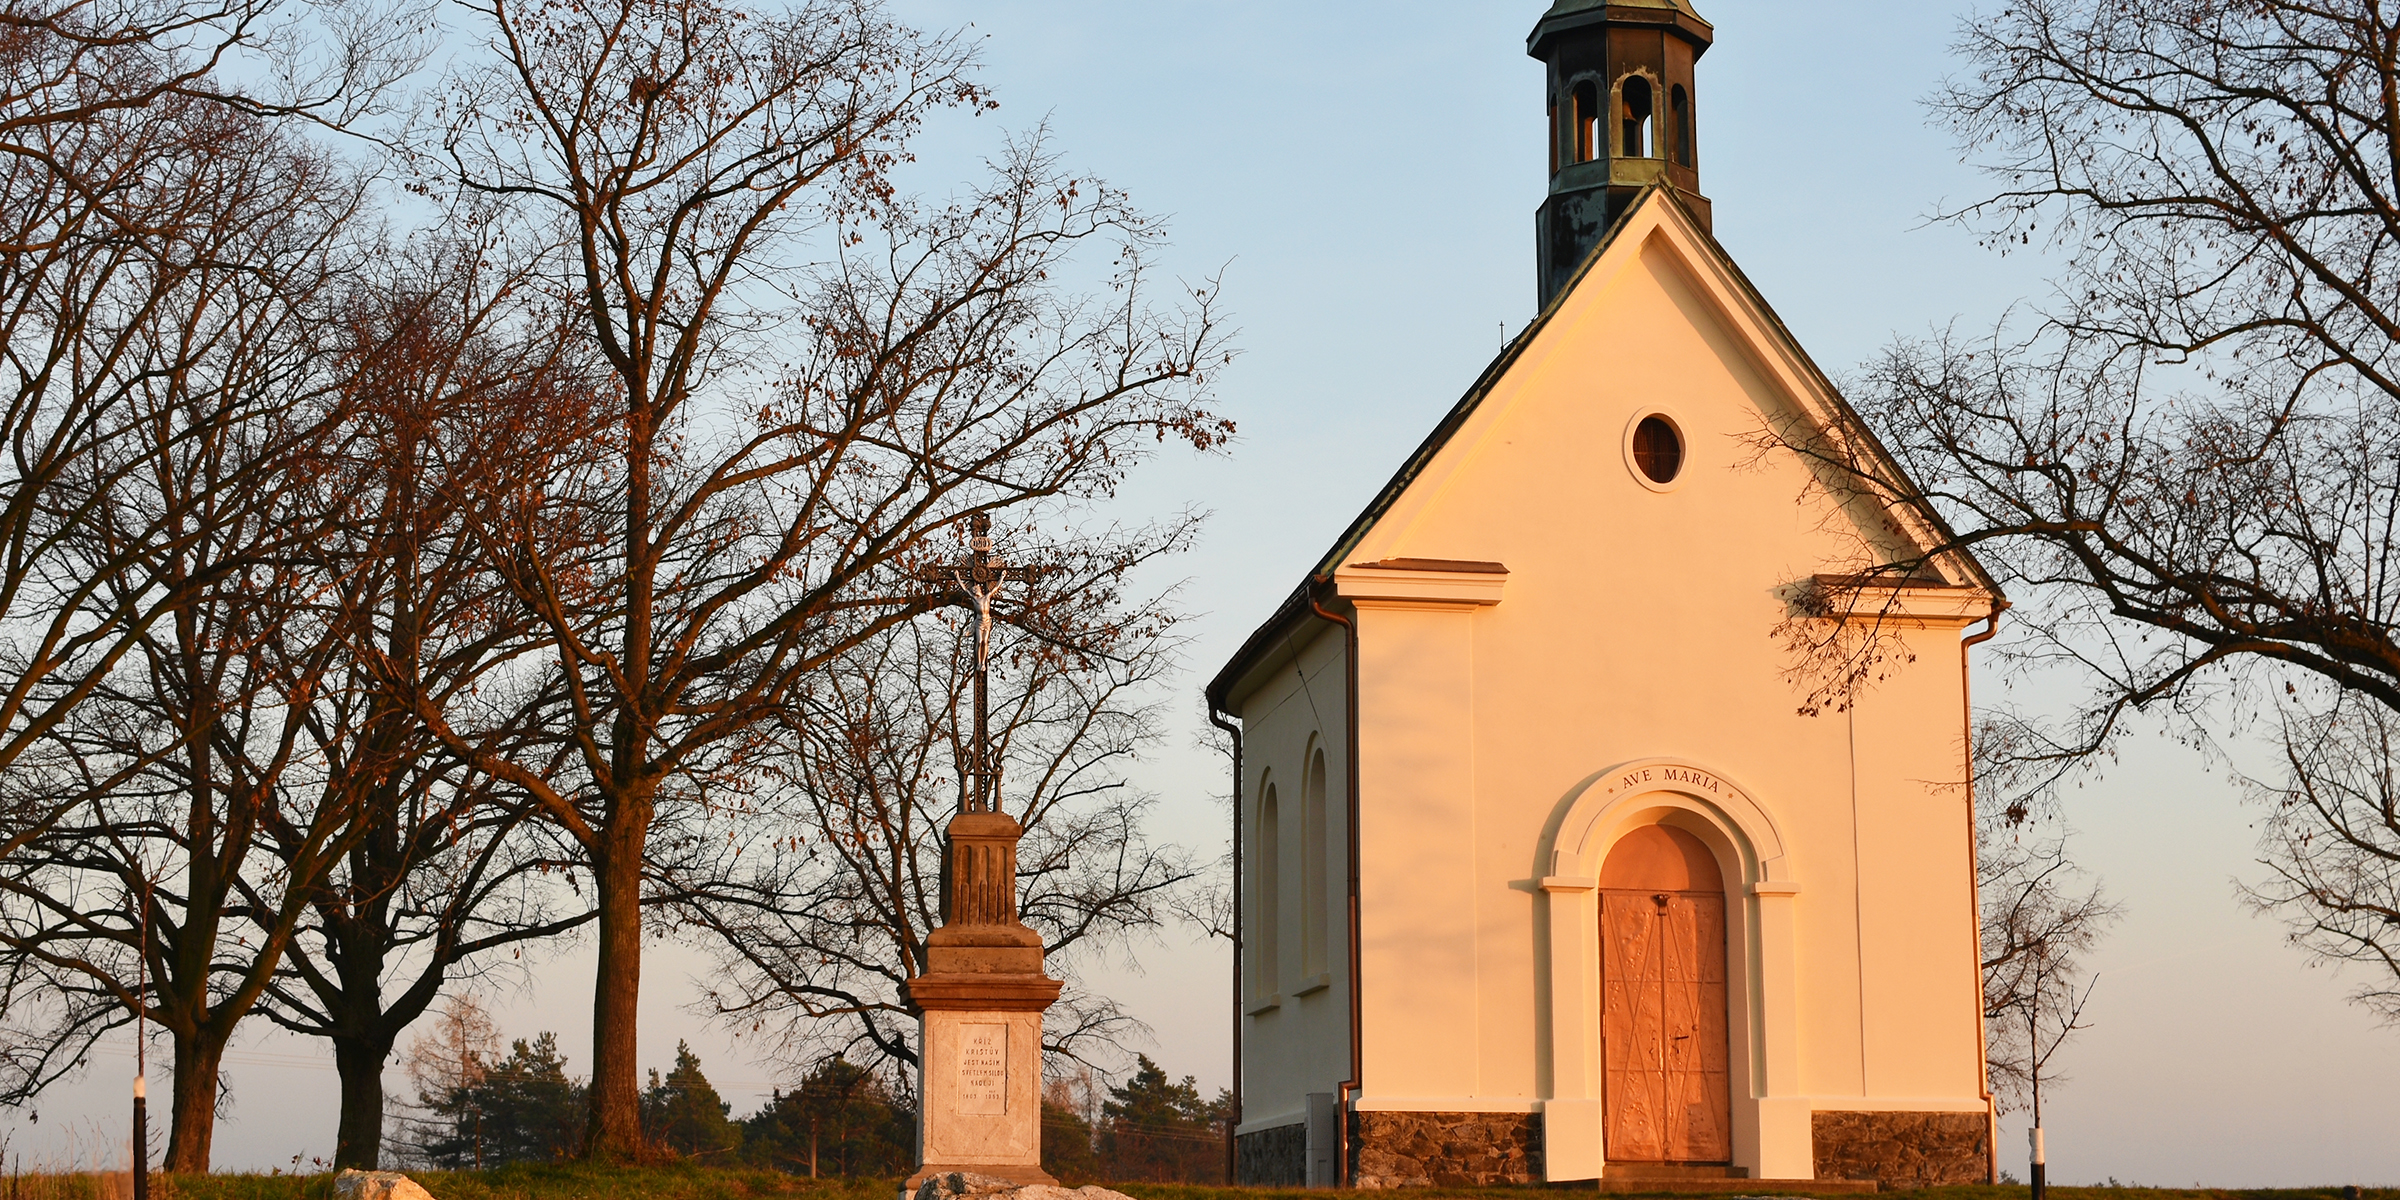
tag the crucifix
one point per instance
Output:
(981, 994)
(978, 577)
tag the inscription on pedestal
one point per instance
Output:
(983, 1068)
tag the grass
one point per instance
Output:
(574, 1181)
(686, 1182)
(1170, 1191)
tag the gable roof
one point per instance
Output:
(1314, 585)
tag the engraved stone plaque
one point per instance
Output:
(983, 1068)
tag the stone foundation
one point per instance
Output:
(1273, 1157)
(1438, 1149)
(1903, 1149)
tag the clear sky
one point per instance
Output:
(1366, 173)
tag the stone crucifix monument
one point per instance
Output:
(982, 993)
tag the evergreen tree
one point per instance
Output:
(1161, 1132)
(522, 1109)
(842, 1120)
(682, 1115)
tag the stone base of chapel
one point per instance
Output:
(1272, 1157)
(1854, 1151)
(1445, 1149)
(1404, 1149)
(1903, 1149)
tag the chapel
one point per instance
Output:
(1548, 870)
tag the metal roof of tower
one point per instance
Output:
(1567, 15)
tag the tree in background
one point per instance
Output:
(682, 1115)
(2331, 842)
(1070, 1133)
(842, 1120)
(444, 1060)
(2037, 922)
(2186, 467)
(817, 379)
(523, 1108)
(1155, 1131)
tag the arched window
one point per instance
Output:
(1266, 948)
(1587, 121)
(1634, 105)
(1312, 868)
(1681, 102)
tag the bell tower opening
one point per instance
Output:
(1620, 119)
(1633, 114)
(1587, 121)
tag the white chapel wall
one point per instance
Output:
(1295, 1036)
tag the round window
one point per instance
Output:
(1658, 449)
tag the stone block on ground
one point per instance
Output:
(957, 1185)
(377, 1185)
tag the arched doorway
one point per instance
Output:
(1666, 1094)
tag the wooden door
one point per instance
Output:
(1662, 988)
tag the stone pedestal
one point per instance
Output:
(979, 1016)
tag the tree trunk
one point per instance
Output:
(197, 1060)
(614, 1132)
(358, 1140)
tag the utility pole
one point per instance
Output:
(141, 1053)
(2037, 1167)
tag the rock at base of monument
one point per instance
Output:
(961, 1185)
(951, 1183)
(377, 1185)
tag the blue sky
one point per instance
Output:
(1366, 175)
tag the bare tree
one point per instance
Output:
(2038, 920)
(167, 774)
(817, 932)
(452, 1055)
(77, 63)
(110, 113)
(2331, 843)
(109, 212)
(815, 375)
(463, 392)
(2184, 468)
(109, 110)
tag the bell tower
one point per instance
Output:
(1621, 118)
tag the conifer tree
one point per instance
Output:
(1162, 1132)
(524, 1108)
(682, 1114)
(841, 1121)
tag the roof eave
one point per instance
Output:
(1278, 626)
